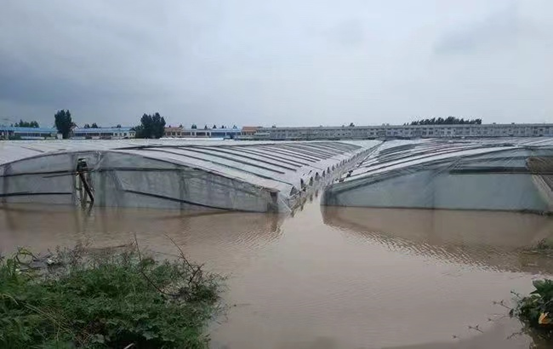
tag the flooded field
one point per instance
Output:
(330, 277)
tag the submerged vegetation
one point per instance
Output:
(105, 299)
(545, 246)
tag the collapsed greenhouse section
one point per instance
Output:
(251, 177)
(503, 175)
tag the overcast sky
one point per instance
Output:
(285, 62)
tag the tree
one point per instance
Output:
(450, 120)
(64, 122)
(94, 125)
(22, 123)
(118, 126)
(151, 126)
(194, 127)
(86, 126)
(351, 124)
(180, 126)
(214, 126)
(205, 127)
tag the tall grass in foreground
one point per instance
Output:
(109, 299)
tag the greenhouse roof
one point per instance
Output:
(274, 165)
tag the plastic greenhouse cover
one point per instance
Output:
(247, 176)
(507, 174)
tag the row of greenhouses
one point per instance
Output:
(238, 176)
(510, 174)
(506, 175)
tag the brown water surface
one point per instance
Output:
(330, 277)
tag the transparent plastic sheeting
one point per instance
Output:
(241, 176)
(505, 175)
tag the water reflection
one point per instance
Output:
(494, 240)
(45, 227)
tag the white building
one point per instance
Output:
(406, 131)
(11, 132)
(180, 132)
(104, 133)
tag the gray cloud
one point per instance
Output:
(349, 33)
(248, 62)
(500, 30)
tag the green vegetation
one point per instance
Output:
(151, 126)
(105, 299)
(94, 125)
(450, 120)
(64, 122)
(536, 309)
(22, 123)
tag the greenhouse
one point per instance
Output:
(239, 176)
(505, 175)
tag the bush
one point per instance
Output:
(536, 310)
(118, 299)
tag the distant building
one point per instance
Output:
(29, 133)
(103, 133)
(405, 131)
(174, 132)
(179, 132)
(249, 132)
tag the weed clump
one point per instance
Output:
(536, 309)
(106, 299)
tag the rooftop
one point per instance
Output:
(27, 129)
(102, 129)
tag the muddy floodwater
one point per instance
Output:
(331, 277)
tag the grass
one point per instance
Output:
(109, 299)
